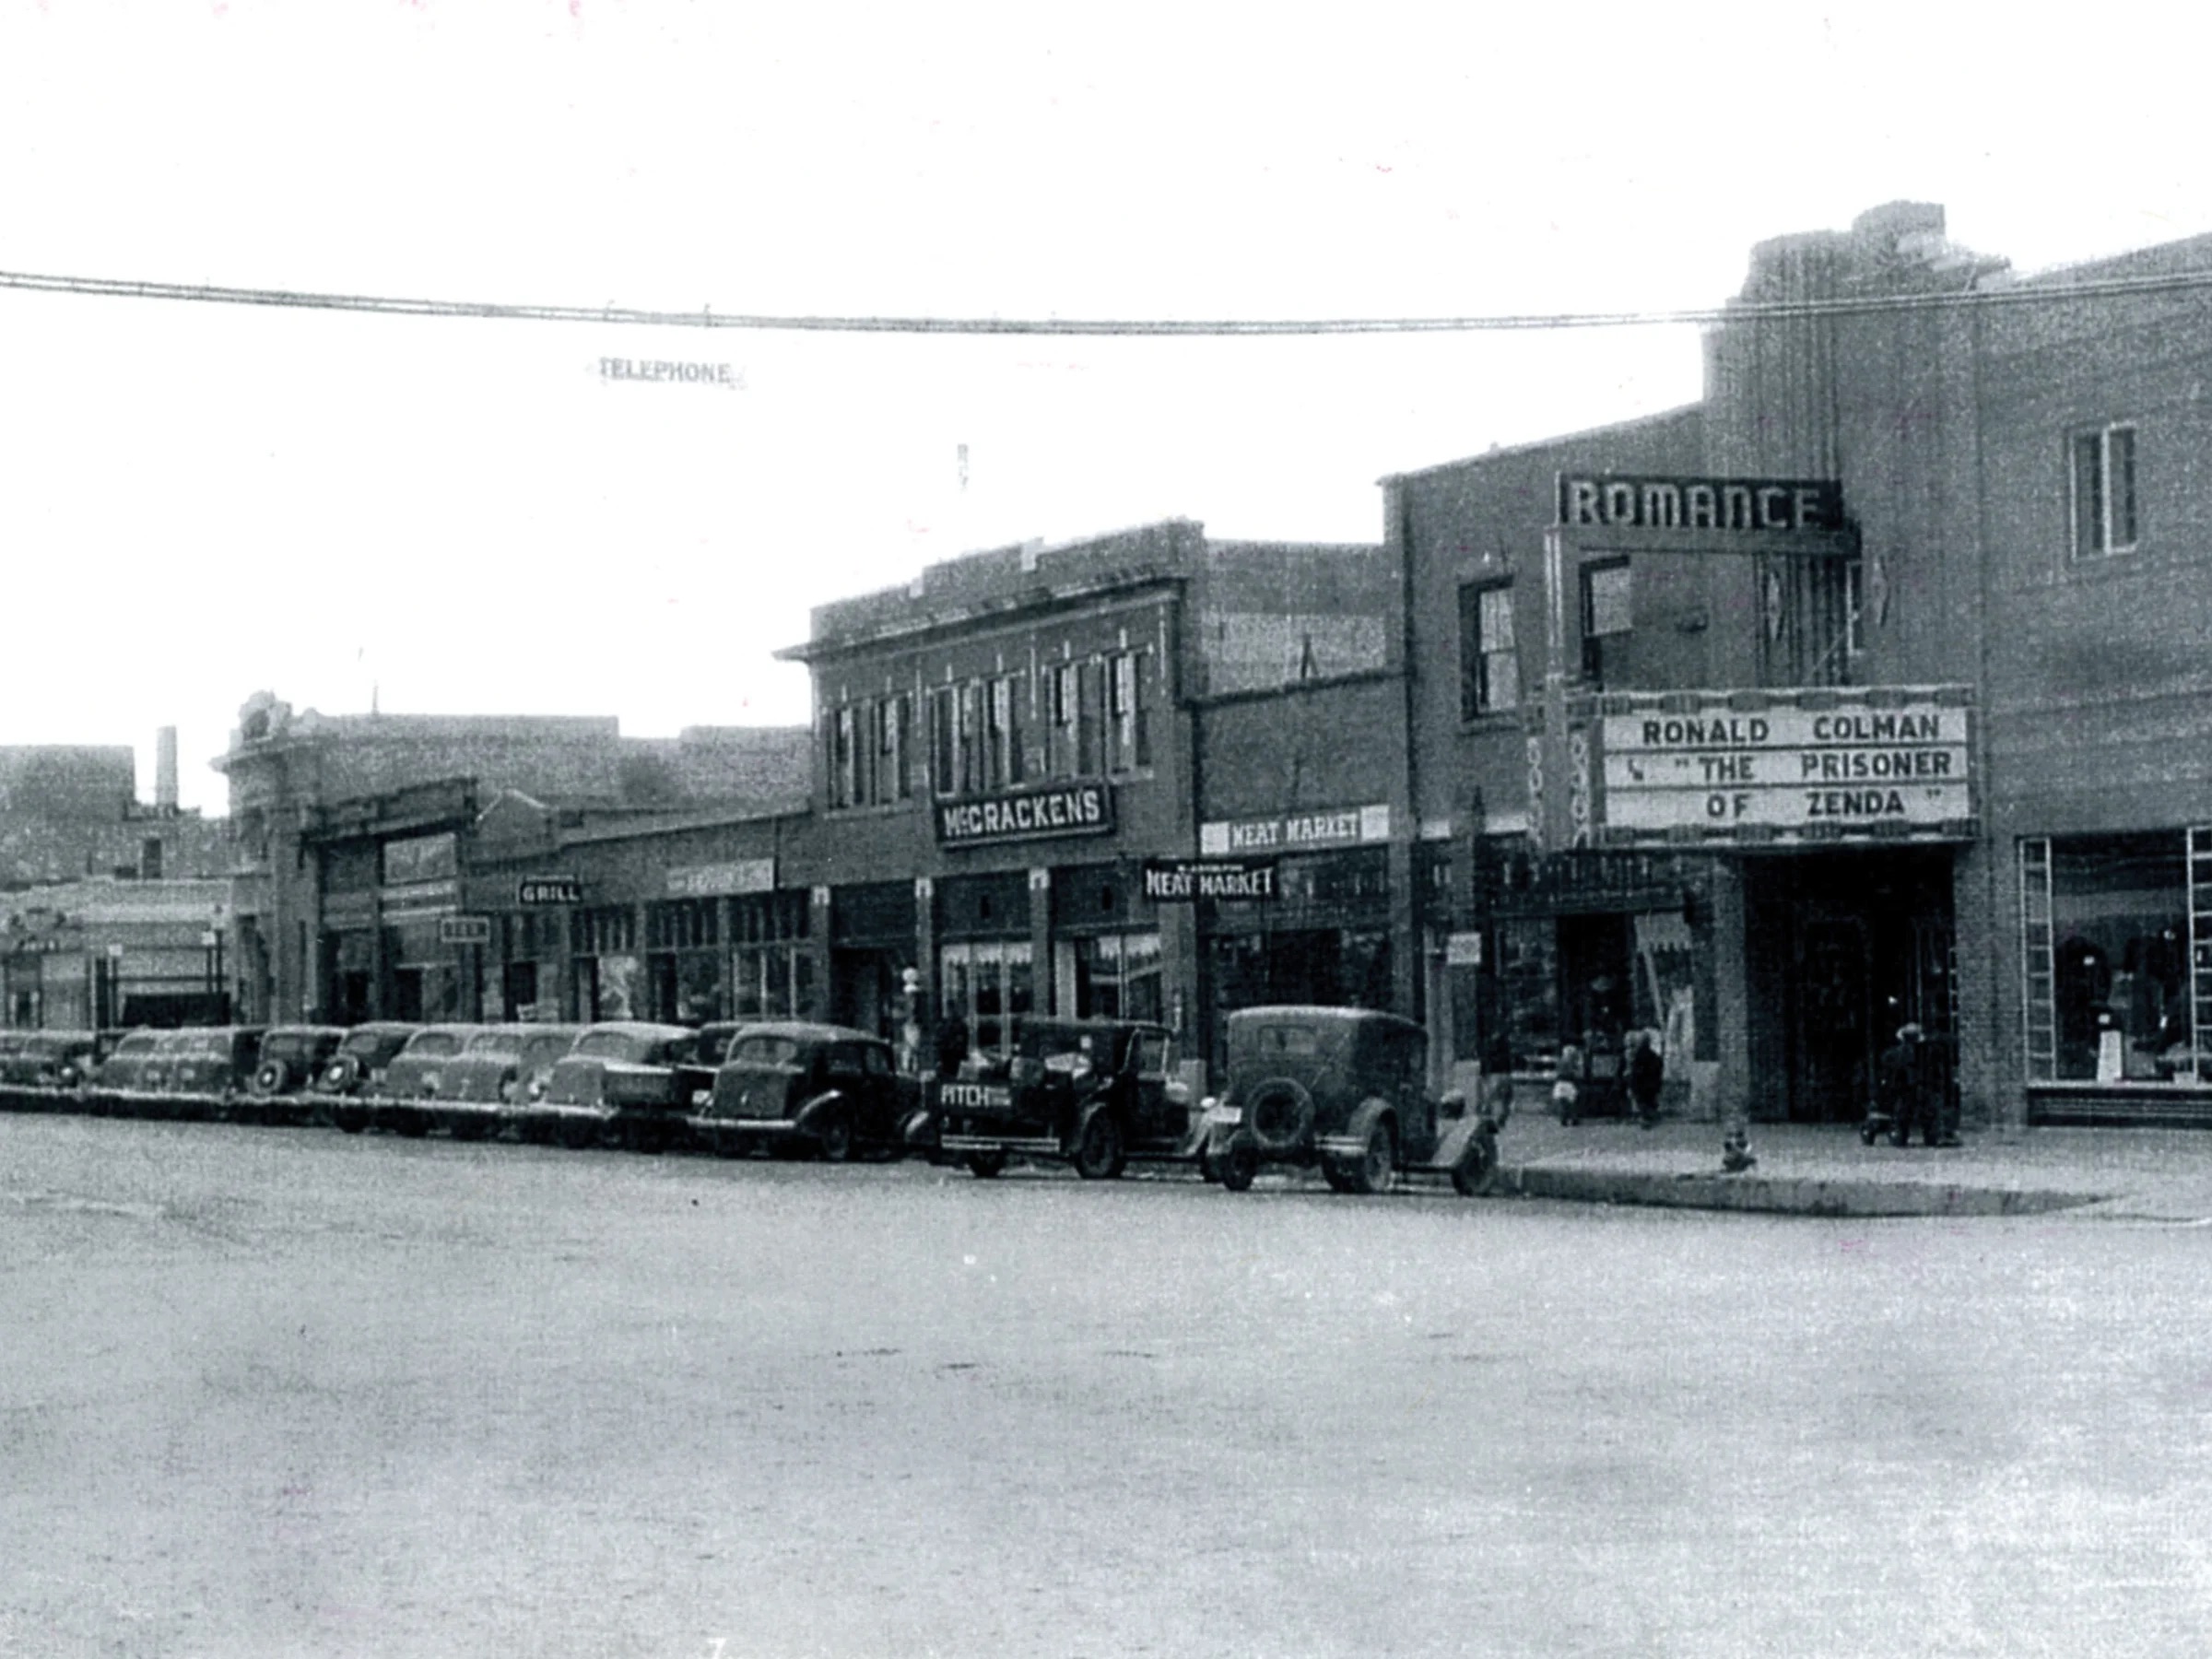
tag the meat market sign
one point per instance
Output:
(1184, 880)
(1026, 814)
(1813, 766)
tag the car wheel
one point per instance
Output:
(835, 1140)
(1099, 1155)
(1281, 1114)
(1378, 1165)
(1237, 1166)
(349, 1118)
(986, 1166)
(1478, 1167)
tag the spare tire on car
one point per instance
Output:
(1280, 1113)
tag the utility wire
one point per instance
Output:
(707, 317)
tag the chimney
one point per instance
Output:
(165, 769)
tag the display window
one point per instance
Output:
(1119, 976)
(987, 984)
(2117, 954)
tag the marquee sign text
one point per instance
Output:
(1653, 504)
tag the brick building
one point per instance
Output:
(1866, 691)
(353, 836)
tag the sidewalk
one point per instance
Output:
(2158, 1174)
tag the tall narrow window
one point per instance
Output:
(1128, 743)
(1067, 705)
(902, 737)
(943, 739)
(1005, 735)
(972, 737)
(841, 759)
(1090, 718)
(1489, 670)
(2104, 490)
(1605, 616)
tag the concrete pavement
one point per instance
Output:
(1823, 1171)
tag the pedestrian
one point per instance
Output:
(1647, 1075)
(1567, 1083)
(953, 1045)
(1913, 1090)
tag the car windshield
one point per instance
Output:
(138, 1042)
(495, 1043)
(203, 1043)
(766, 1051)
(364, 1042)
(614, 1045)
(434, 1044)
(290, 1045)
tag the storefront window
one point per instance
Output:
(2110, 988)
(988, 984)
(1528, 987)
(1119, 976)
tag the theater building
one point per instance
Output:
(1866, 691)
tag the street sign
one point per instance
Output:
(464, 930)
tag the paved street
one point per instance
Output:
(287, 1392)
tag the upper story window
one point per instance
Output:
(1128, 733)
(2103, 488)
(872, 760)
(1490, 668)
(1606, 608)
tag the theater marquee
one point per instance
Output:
(1808, 766)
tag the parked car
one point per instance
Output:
(1343, 1089)
(714, 1039)
(357, 1070)
(204, 1069)
(636, 1079)
(499, 1069)
(1091, 1092)
(416, 1075)
(124, 1071)
(794, 1086)
(292, 1059)
(48, 1059)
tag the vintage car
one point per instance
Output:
(357, 1068)
(794, 1086)
(1091, 1092)
(415, 1079)
(1343, 1089)
(497, 1072)
(202, 1070)
(48, 1059)
(714, 1039)
(126, 1069)
(292, 1057)
(637, 1080)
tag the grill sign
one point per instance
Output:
(1182, 881)
(1025, 815)
(549, 889)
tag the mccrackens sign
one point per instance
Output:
(1026, 814)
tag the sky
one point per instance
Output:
(468, 516)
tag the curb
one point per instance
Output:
(1791, 1196)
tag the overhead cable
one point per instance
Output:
(2013, 293)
